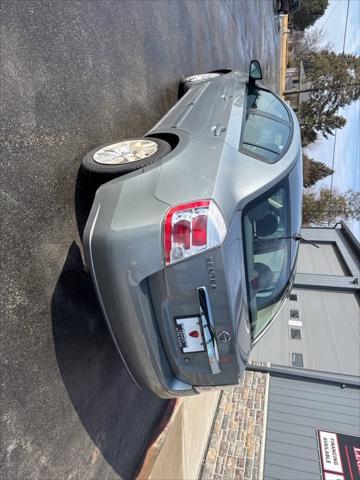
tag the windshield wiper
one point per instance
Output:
(297, 237)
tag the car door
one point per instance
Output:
(210, 113)
(205, 109)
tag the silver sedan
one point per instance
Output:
(193, 251)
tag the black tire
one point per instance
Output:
(94, 168)
(285, 7)
(182, 89)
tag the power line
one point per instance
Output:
(357, 163)
(334, 147)
(331, 13)
(346, 24)
(357, 155)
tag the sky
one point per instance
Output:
(347, 148)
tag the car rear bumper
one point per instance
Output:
(120, 260)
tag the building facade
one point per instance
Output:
(319, 326)
(312, 428)
(297, 414)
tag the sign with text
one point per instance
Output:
(340, 456)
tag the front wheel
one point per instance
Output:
(118, 158)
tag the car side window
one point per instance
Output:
(267, 126)
(265, 137)
(265, 101)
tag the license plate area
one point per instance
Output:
(189, 334)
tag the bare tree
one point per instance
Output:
(304, 44)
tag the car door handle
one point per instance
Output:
(219, 129)
(209, 332)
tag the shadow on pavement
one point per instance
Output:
(118, 416)
(85, 189)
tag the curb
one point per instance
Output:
(158, 439)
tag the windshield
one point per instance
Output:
(267, 254)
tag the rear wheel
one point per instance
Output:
(118, 158)
(186, 82)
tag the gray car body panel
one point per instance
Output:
(120, 259)
(123, 239)
(173, 290)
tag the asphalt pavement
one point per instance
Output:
(76, 74)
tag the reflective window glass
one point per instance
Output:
(267, 256)
(267, 102)
(264, 136)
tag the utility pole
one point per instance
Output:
(312, 89)
(301, 90)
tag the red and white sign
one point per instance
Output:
(330, 452)
(333, 476)
(340, 456)
(189, 334)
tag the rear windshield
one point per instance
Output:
(266, 223)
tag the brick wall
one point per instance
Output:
(236, 439)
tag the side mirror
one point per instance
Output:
(255, 72)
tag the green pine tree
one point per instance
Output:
(307, 14)
(324, 207)
(335, 81)
(314, 171)
(335, 77)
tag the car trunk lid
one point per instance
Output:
(201, 311)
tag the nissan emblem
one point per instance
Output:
(224, 336)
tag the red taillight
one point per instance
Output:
(199, 230)
(181, 233)
(190, 228)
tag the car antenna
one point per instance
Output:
(297, 237)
